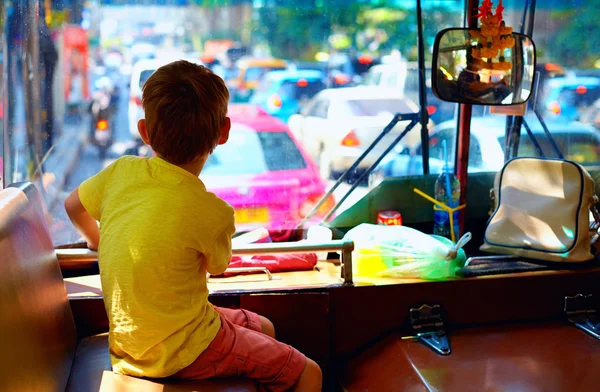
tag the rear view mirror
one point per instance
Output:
(462, 73)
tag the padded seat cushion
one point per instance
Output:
(92, 372)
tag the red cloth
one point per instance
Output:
(277, 263)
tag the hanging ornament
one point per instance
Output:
(492, 37)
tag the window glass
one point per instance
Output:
(255, 73)
(321, 109)
(301, 89)
(145, 75)
(280, 152)
(48, 129)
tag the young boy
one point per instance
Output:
(160, 232)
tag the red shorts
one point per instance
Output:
(240, 350)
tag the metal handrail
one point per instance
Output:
(345, 246)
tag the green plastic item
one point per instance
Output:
(403, 252)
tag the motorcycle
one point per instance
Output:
(102, 113)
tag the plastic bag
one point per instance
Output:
(399, 251)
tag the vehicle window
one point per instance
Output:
(320, 109)
(253, 74)
(362, 64)
(311, 107)
(145, 75)
(280, 152)
(375, 107)
(372, 78)
(265, 84)
(242, 154)
(247, 152)
(580, 96)
(301, 89)
(392, 80)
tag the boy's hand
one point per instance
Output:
(92, 246)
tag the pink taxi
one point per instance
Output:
(264, 173)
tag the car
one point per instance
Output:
(339, 124)
(249, 72)
(283, 93)
(569, 96)
(346, 69)
(320, 66)
(142, 51)
(577, 142)
(142, 70)
(405, 76)
(264, 173)
(591, 115)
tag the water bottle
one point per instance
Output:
(447, 191)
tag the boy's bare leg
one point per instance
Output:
(267, 327)
(311, 379)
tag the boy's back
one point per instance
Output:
(157, 221)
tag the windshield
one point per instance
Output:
(301, 89)
(309, 131)
(253, 74)
(144, 75)
(580, 97)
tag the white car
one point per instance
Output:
(140, 73)
(338, 125)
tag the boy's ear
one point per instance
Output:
(143, 131)
(225, 131)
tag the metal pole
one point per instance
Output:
(548, 134)
(538, 148)
(424, 116)
(464, 126)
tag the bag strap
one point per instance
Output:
(594, 226)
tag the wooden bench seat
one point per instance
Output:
(92, 372)
(41, 351)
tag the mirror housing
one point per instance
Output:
(461, 73)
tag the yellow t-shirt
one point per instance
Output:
(160, 231)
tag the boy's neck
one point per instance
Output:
(194, 167)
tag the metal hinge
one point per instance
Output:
(580, 311)
(428, 325)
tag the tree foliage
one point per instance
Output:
(575, 43)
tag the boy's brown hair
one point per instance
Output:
(185, 106)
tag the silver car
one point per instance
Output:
(338, 125)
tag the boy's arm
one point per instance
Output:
(219, 256)
(84, 205)
(82, 220)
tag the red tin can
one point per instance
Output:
(389, 218)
